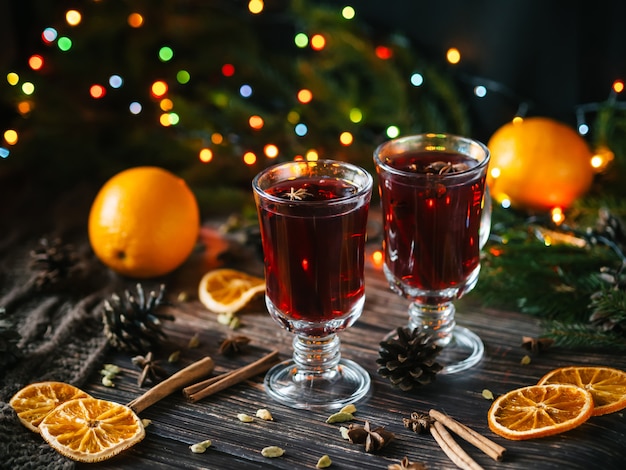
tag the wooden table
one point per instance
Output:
(305, 436)
(176, 424)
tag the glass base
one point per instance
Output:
(465, 350)
(341, 385)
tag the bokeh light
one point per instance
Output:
(205, 155)
(255, 6)
(318, 42)
(618, 86)
(35, 62)
(165, 54)
(383, 52)
(49, 35)
(348, 12)
(135, 107)
(13, 78)
(249, 158)
(73, 17)
(97, 91)
(245, 91)
(312, 155)
(346, 138)
(417, 79)
(270, 151)
(159, 88)
(10, 136)
(166, 104)
(301, 129)
(135, 20)
(64, 43)
(217, 138)
(453, 55)
(28, 88)
(305, 96)
(392, 132)
(228, 70)
(256, 122)
(183, 77)
(301, 40)
(115, 81)
(356, 115)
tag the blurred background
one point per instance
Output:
(216, 90)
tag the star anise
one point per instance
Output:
(536, 345)
(406, 464)
(233, 345)
(297, 194)
(418, 422)
(374, 439)
(150, 369)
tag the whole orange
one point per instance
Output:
(144, 222)
(538, 163)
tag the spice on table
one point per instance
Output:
(208, 387)
(374, 439)
(340, 417)
(272, 452)
(150, 369)
(264, 414)
(324, 462)
(406, 464)
(438, 423)
(233, 345)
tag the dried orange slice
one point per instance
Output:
(228, 290)
(539, 411)
(607, 385)
(91, 430)
(33, 402)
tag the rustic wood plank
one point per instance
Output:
(306, 436)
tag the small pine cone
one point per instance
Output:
(132, 323)
(53, 262)
(408, 360)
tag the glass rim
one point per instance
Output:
(362, 190)
(434, 137)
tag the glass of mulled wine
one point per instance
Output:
(432, 190)
(313, 218)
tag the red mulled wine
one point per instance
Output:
(314, 256)
(432, 222)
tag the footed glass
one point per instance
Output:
(432, 190)
(313, 218)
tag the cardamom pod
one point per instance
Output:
(264, 414)
(244, 418)
(340, 417)
(348, 409)
(200, 447)
(324, 462)
(272, 452)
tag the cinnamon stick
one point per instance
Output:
(189, 374)
(492, 449)
(208, 387)
(454, 452)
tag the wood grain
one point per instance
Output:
(177, 424)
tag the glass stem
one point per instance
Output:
(316, 355)
(437, 320)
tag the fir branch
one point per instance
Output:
(579, 336)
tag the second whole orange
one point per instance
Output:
(144, 222)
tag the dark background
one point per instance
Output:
(549, 56)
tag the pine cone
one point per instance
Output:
(408, 360)
(53, 262)
(133, 323)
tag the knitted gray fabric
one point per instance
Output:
(61, 340)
